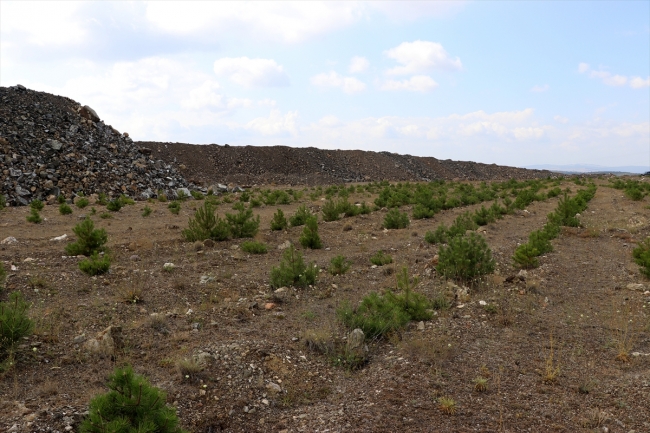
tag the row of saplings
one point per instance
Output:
(132, 404)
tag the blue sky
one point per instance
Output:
(514, 83)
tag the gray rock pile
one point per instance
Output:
(51, 145)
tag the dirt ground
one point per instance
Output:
(574, 312)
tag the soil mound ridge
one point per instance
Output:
(51, 145)
(206, 164)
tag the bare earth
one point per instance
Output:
(578, 300)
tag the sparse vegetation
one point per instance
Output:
(174, 207)
(380, 259)
(95, 264)
(37, 204)
(395, 219)
(14, 326)
(82, 202)
(146, 211)
(34, 216)
(300, 217)
(242, 224)
(206, 225)
(254, 247)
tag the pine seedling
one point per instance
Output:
(395, 219)
(339, 265)
(89, 239)
(310, 238)
(300, 217)
(465, 258)
(34, 216)
(279, 222)
(293, 271)
(206, 225)
(132, 404)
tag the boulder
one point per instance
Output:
(88, 113)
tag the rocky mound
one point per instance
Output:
(51, 144)
(287, 165)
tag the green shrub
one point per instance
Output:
(565, 213)
(65, 209)
(14, 324)
(551, 231)
(174, 207)
(198, 195)
(181, 196)
(634, 193)
(279, 222)
(554, 192)
(253, 247)
(102, 199)
(146, 211)
(293, 271)
(93, 211)
(330, 211)
(378, 315)
(483, 216)
(421, 212)
(310, 237)
(641, 255)
(242, 224)
(60, 199)
(255, 202)
(526, 256)
(439, 236)
(34, 216)
(465, 258)
(130, 405)
(381, 259)
(395, 219)
(461, 224)
(364, 209)
(206, 225)
(497, 210)
(3, 201)
(339, 265)
(300, 217)
(89, 239)
(114, 205)
(105, 215)
(162, 197)
(95, 265)
(37, 204)
(539, 240)
(82, 202)
(346, 208)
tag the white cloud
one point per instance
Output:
(252, 72)
(206, 95)
(614, 80)
(267, 103)
(333, 79)
(639, 83)
(540, 89)
(418, 83)
(561, 119)
(286, 21)
(358, 64)
(420, 57)
(413, 10)
(43, 22)
(275, 124)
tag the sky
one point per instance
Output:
(513, 83)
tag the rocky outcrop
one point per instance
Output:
(51, 144)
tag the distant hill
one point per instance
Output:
(591, 168)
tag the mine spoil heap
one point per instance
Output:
(51, 145)
(248, 165)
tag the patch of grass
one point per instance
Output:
(146, 211)
(253, 247)
(105, 215)
(114, 205)
(188, 368)
(381, 259)
(447, 405)
(197, 195)
(641, 255)
(102, 199)
(551, 366)
(174, 207)
(14, 325)
(480, 384)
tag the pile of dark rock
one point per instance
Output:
(51, 145)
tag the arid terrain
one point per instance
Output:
(564, 347)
